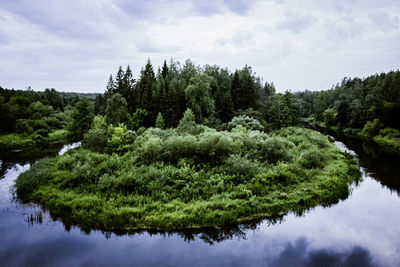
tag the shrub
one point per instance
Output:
(276, 149)
(95, 140)
(24, 126)
(43, 132)
(312, 158)
(160, 121)
(187, 123)
(38, 175)
(371, 128)
(247, 122)
(152, 149)
(178, 147)
(236, 164)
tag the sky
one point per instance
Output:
(310, 44)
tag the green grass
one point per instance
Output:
(225, 178)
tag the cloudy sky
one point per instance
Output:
(309, 44)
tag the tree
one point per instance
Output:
(221, 92)
(288, 112)
(119, 81)
(110, 88)
(128, 90)
(138, 119)
(98, 104)
(82, 117)
(198, 96)
(116, 111)
(160, 121)
(245, 89)
(145, 89)
(187, 121)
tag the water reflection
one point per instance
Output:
(379, 164)
(22, 157)
(298, 254)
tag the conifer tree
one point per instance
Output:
(119, 81)
(128, 91)
(145, 90)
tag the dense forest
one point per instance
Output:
(214, 94)
(368, 108)
(30, 118)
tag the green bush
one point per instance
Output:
(43, 132)
(276, 149)
(312, 158)
(95, 140)
(371, 128)
(247, 122)
(28, 182)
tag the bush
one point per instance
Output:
(29, 182)
(160, 121)
(371, 128)
(312, 158)
(276, 149)
(236, 164)
(95, 140)
(24, 126)
(245, 121)
(43, 132)
(177, 147)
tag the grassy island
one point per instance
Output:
(189, 176)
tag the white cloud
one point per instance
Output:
(296, 44)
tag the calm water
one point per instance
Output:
(363, 230)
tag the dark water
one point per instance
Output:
(363, 230)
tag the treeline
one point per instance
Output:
(367, 108)
(214, 94)
(17, 106)
(30, 118)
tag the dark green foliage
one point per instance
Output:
(145, 90)
(245, 89)
(371, 128)
(37, 117)
(312, 158)
(82, 117)
(359, 107)
(116, 111)
(95, 140)
(28, 182)
(138, 119)
(198, 96)
(160, 123)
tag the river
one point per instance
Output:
(363, 230)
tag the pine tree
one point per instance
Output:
(235, 90)
(110, 88)
(165, 70)
(160, 121)
(145, 90)
(128, 90)
(119, 81)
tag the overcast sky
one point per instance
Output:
(309, 44)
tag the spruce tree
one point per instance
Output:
(145, 91)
